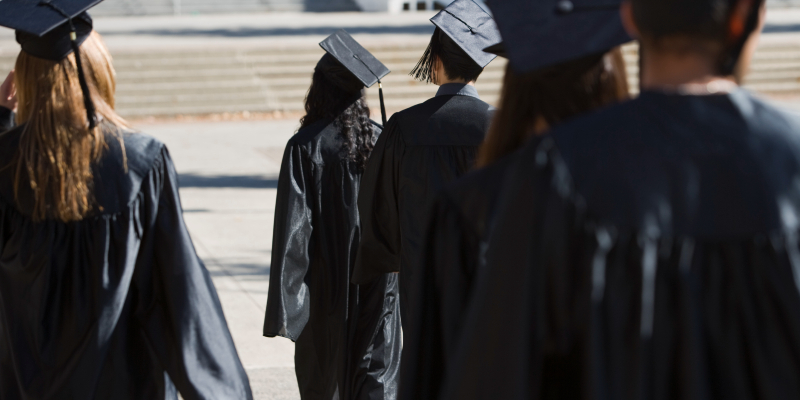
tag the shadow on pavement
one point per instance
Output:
(425, 29)
(242, 270)
(228, 181)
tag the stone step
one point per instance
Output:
(264, 80)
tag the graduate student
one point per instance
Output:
(102, 295)
(551, 78)
(648, 250)
(347, 336)
(424, 147)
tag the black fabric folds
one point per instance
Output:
(453, 253)
(347, 336)
(650, 250)
(6, 119)
(422, 149)
(117, 306)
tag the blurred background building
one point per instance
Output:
(182, 7)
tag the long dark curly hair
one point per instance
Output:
(336, 94)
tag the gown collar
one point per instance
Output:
(457, 89)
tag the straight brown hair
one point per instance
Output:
(550, 96)
(57, 149)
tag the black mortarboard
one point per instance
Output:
(357, 60)
(541, 33)
(471, 27)
(52, 30)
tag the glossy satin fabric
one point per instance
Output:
(118, 305)
(422, 149)
(347, 336)
(648, 251)
(454, 251)
(6, 119)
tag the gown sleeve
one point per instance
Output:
(288, 302)
(6, 119)
(179, 310)
(379, 250)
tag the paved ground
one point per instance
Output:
(228, 180)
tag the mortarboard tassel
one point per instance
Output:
(91, 112)
(383, 108)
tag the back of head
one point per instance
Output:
(57, 148)
(701, 19)
(337, 95)
(693, 25)
(549, 96)
(458, 65)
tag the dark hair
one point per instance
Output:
(347, 108)
(457, 63)
(554, 94)
(702, 23)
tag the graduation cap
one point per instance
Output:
(471, 27)
(541, 33)
(360, 62)
(52, 30)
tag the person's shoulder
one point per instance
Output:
(312, 133)
(425, 108)
(766, 118)
(130, 156)
(376, 127)
(435, 104)
(141, 149)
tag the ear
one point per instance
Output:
(738, 20)
(626, 14)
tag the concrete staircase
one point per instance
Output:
(269, 80)
(188, 7)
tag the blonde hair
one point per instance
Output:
(57, 149)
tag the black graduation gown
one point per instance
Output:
(6, 119)
(646, 251)
(347, 336)
(118, 305)
(422, 149)
(454, 251)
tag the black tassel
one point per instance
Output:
(91, 112)
(380, 87)
(383, 108)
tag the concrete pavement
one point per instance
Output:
(228, 184)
